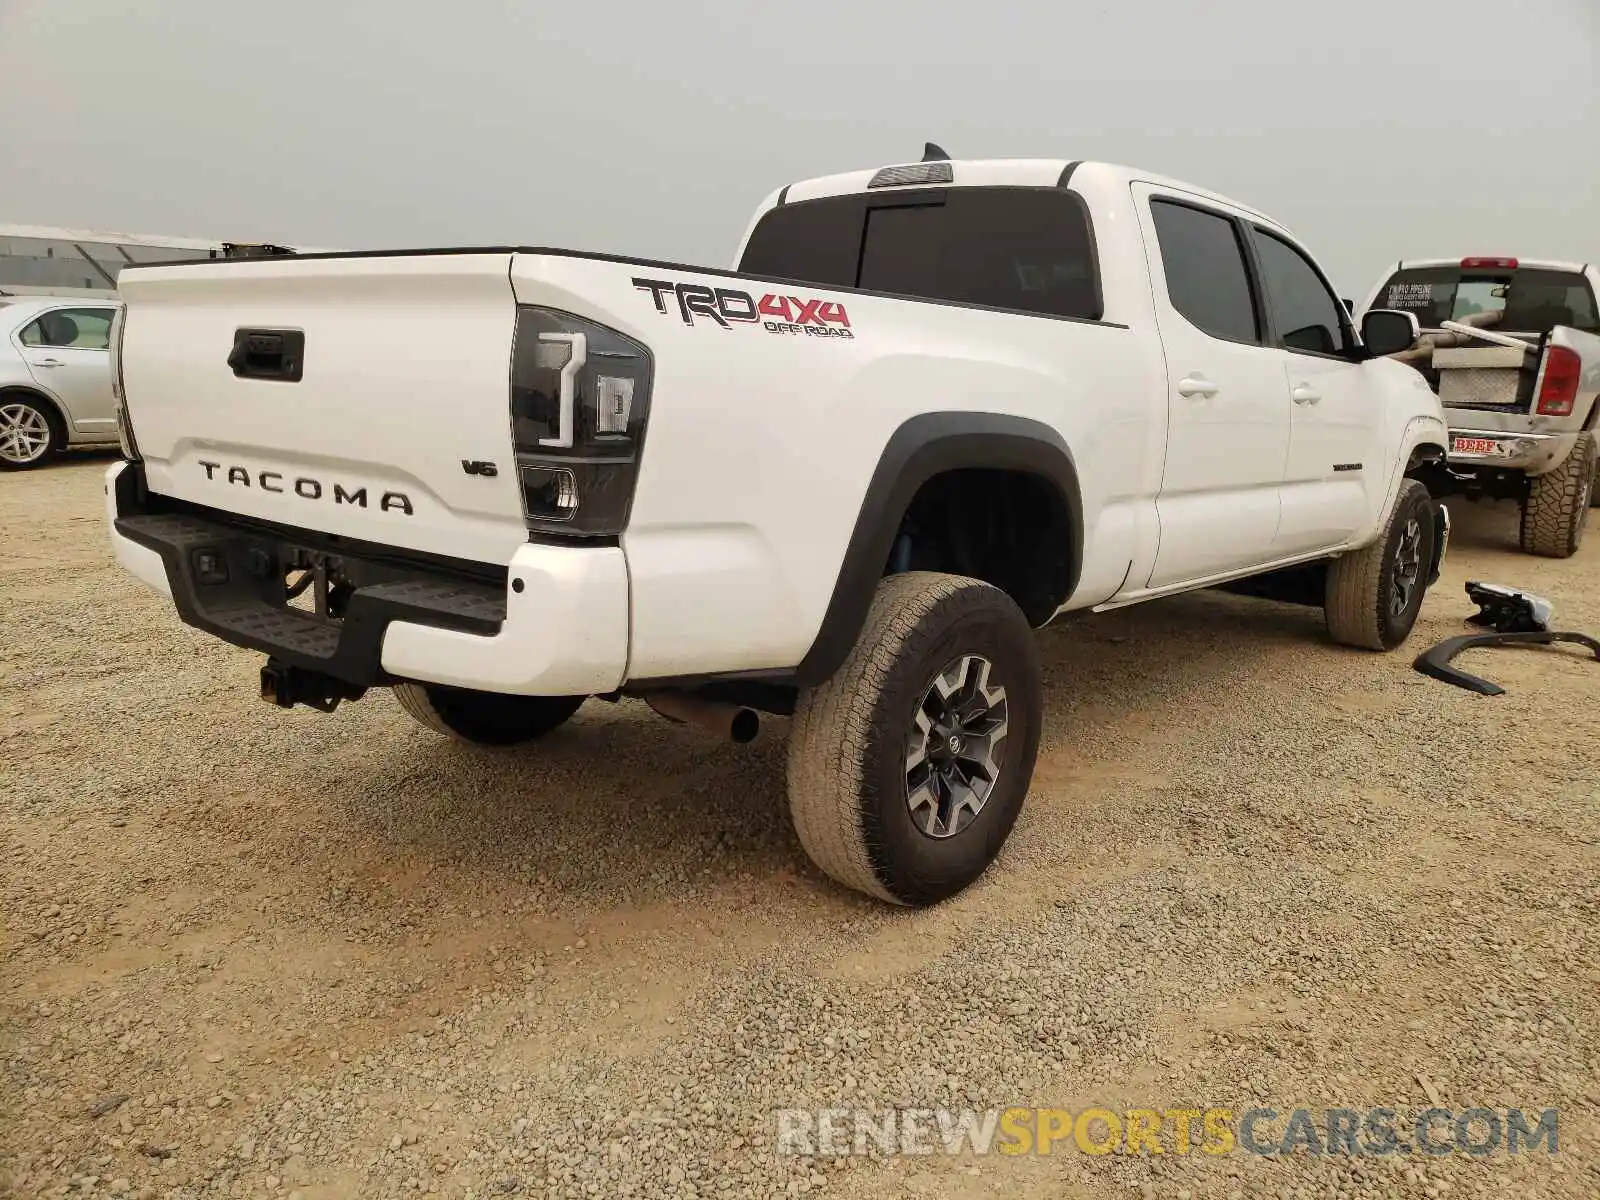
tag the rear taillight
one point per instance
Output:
(580, 399)
(119, 324)
(1507, 264)
(1558, 389)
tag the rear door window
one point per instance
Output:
(1203, 263)
(1027, 249)
(71, 329)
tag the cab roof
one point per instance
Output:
(992, 172)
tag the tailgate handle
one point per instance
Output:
(268, 354)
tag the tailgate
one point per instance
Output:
(345, 394)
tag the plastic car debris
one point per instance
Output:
(1517, 618)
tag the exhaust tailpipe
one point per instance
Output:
(731, 721)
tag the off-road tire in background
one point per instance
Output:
(1557, 507)
(40, 419)
(932, 644)
(485, 718)
(1373, 595)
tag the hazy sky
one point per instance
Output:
(1373, 128)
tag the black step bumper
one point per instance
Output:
(227, 578)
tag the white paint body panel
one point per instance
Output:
(759, 447)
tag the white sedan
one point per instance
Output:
(55, 377)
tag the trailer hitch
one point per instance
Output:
(286, 686)
(1517, 619)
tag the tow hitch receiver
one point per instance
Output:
(287, 686)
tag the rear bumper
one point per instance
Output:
(553, 622)
(1515, 441)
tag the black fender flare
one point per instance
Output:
(924, 446)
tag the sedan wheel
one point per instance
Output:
(26, 435)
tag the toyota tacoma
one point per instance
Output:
(933, 406)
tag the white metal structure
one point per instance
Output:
(933, 405)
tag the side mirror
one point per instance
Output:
(1387, 331)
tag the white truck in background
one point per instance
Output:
(933, 406)
(1512, 346)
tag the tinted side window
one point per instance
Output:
(1205, 272)
(1307, 314)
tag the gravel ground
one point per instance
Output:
(257, 953)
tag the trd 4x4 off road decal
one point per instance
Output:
(729, 307)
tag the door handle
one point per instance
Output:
(1196, 385)
(49, 362)
(1304, 393)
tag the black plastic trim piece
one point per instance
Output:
(783, 195)
(925, 446)
(246, 607)
(144, 502)
(1066, 174)
(243, 604)
(1436, 662)
(269, 354)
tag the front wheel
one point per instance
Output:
(1373, 595)
(485, 718)
(908, 768)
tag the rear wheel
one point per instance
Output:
(1557, 507)
(908, 768)
(485, 718)
(1373, 595)
(30, 431)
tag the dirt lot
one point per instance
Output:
(258, 953)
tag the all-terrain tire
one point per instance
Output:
(850, 789)
(31, 430)
(1372, 598)
(1557, 507)
(485, 718)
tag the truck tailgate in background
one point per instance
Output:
(354, 395)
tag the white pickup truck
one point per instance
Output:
(1512, 346)
(934, 406)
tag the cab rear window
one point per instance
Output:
(1026, 249)
(1518, 300)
